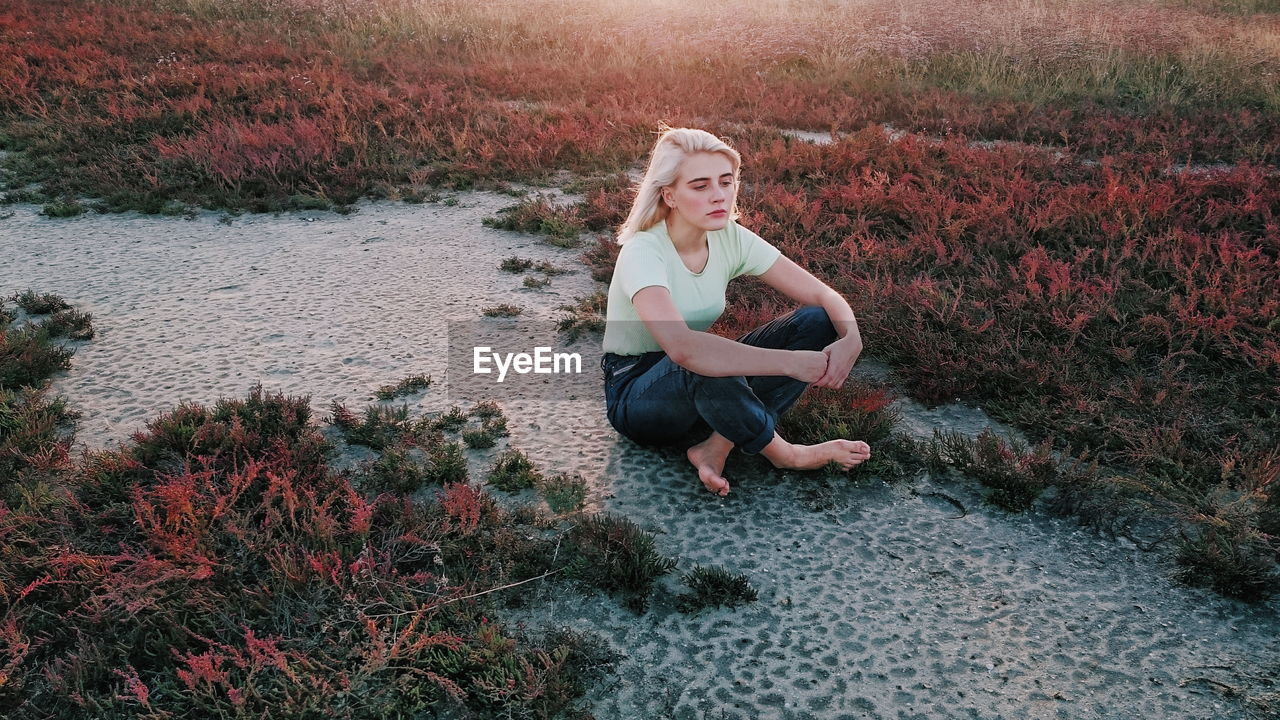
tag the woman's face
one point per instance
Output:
(703, 192)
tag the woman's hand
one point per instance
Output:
(807, 365)
(841, 355)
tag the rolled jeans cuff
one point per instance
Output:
(758, 443)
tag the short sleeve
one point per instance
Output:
(756, 255)
(639, 266)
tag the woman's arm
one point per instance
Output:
(715, 356)
(798, 284)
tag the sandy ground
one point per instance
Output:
(881, 604)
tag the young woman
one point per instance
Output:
(664, 374)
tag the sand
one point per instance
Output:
(881, 604)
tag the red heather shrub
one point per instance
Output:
(857, 411)
(216, 565)
(463, 507)
(242, 116)
(288, 154)
(255, 580)
(234, 431)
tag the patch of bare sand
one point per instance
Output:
(886, 605)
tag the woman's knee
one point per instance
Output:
(719, 385)
(651, 418)
(813, 322)
(654, 428)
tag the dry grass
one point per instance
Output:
(1001, 45)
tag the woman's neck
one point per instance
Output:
(685, 237)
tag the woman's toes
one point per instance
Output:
(713, 482)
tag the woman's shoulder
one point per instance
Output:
(642, 241)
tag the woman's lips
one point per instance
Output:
(718, 212)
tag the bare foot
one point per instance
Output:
(845, 453)
(708, 458)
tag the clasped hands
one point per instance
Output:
(830, 367)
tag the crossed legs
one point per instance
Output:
(667, 401)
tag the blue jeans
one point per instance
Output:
(654, 401)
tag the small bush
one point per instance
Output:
(75, 324)
(503, 310)
(496, 426)
(486, 410)
(614, 554)
(549, 268)
(515, 264)
(1111, 503)
(1239, 566)
(1015, 476)
(407, 386)
(451, 421)
(513, 471)
(563, 492)
(536, 282)
(30, 427)
(714, 587)
(448, 463)
(28, 356)
(601, 257)
(35, 303)
(587, 659)
(564, 241)
(232, 432)
(381, 426)
(397, 470)
(479, 439)
(586, 316)
(62, 209)
(492, 424)
(540, 215)
(857, 411)
(307, 202)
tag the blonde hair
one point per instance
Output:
(669, 152)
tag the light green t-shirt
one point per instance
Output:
(649, 258)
